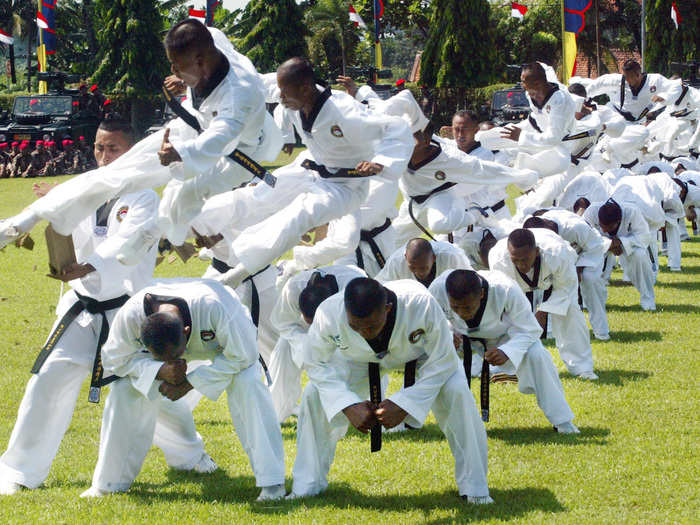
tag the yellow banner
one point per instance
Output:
(569, 45)
(41, 58)
(377, 55)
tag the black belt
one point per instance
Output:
(681, 113)
(342, 173)
(630, 164)
(368, 237)
(485, 373)
(254, 311)
(580, 154)
(629, 117)
(497, 206)
(531, 297)
(375, 396)
(94, 307)
(420, 199)
(220, 266)
(236, 155)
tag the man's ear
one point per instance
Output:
(389, 306)
(186, 330)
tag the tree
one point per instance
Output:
(665, 44)
(459, 50)
(270, 32)
(76, 43)
(333, 37)
(412, 16)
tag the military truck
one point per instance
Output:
(509, 106)
(54, 116)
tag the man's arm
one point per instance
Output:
(561, 121)
(638, 234)
(343, 237)
(564, 284)
(523, 328)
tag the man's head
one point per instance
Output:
(632, 72)
(164, 335)
(541, 222)
(465, 124)
(610, 217)
(464, 292)
(191, 51)
(680, 168)
(581, 205)
(684, 188)
(534, 79)
(420, 258)
(578, 89)
(522, 249)
(318, 289)
(40, 146)
(487, 242)
(114, 137)
(653, 169)
(366, 306)
(296, 80)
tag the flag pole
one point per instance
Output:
(564, 72)
(644, 32)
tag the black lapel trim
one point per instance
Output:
(216, 79)
(431, 276)
(308, 122)
(103, 212)
(475, 321)
(151, 300)
(380, 344)
(553, 89)
(472, 148)
(430, 158)
(635, 92)
(535, 276)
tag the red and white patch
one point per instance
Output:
(121, 213)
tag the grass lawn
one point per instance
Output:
(635, 460)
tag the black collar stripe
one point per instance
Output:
(308, 122)
(474, 146)
(553, 88)
(380, 344)
(430, 158)
(475, 321)
(535, 276)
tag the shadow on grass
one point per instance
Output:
(527, 435)
(686, 270)
(683, 285)
(680, 308)
(630, 336)
(509, 504)
(615, 377)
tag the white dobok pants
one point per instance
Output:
(455, 412)
(639, 268)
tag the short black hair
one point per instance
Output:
(578, 89)
(609, 212)
(418, 247)
(581, 202)
(653, 169)
(318, 289)
(522, 238)
(298, 71)
(115, 122)
(462, 283)
(631, 65)
(161, 330)
(188, 35)
(487, 242)
(363, 296)
(535, 69)
(539, 222)
(539, 212)
(467, 114)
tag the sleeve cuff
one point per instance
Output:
(144, 381)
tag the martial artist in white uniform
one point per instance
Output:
(588, 185)
(393, 325)
(232, 115)
(658, 198)
(477, 242)
(488, 305)
(289, 355)
(625, 225)
(549, 263)
(103, 284)
(340, 134)
(212, 325)
(422, 261)
(428, 187)
(590, 248)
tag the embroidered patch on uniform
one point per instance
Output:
(652, 89)
(440, 175)
(207, 335)
(121, 212)
(336, 131)
(548, 108)
(415, 336)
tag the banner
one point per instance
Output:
(573, 22)
(211, 7)
(48, 34)
(378, 13)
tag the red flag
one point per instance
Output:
(6, 38)
(675, 15)
(517, 10)
(41, 21)
(198, 14)
(356, 18)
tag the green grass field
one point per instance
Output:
(635, 461)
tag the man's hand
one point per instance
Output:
(512, 133)
(175, 85)
(42, 188)
(495, 357)
(368, 168)
(167, 153)
(361, 416)
(349, 85)
(456, 340)
(690, 214)
(657, 98)
(616, 246)
(206, 241)
(541, 318)
(175, 392)
(173, 372)
(74, 271)
(389, 414)
(288, 148)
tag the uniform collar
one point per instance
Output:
(475, 321)
(430, 158)
(198, 96)
(308, 122)
(380, 344)
(474, 146)
(635, 92)
(553, 88)
(535, 276)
